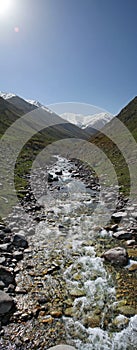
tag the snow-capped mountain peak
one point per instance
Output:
(96, 121)
(39, 105)
(6, 95)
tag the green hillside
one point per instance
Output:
(128, 118)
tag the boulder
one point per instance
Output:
(122, 235)
(5, 247)
(19, 240)
(6, 303)
(118, 216)
(6, 276)
(116, 256)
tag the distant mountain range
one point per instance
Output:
(89, 123)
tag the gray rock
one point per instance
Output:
(2, 260)
(2, 285)
(31, 232)
(18, 255)
(117, 256)
(118, 216)
(6, 303)
(19, 240)
(122, 235)
(131, 242)
(6, 276)
(11, 288)
(5, 247)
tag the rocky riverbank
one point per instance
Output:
(42, 276)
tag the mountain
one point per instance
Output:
(90, 123)
(52, 128)
(115, 140)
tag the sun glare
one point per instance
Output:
(4, 6)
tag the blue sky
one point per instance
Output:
(70, 50)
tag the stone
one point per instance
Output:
(5, 247)
(2, 260)
(120, 321)
(2, 285)
(11, 288)
(18, 255)
(6, 303)
(19, 240)
(118, 216)
(6, 276)
(114, 227)
(131, 242)
(117, 256)
(127, 310)
(2, 227)
(77, 292)
(133, 267)
(6, 230)
(134, 214)
(31, 232)
(122, 235)
(58, 172)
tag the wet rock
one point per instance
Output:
(134, 214)
(47, 319)
(2, 260)
(6, 276)
(2, 235)
(116, 256)
(18, 255)
(127, 310)
(2, 285)
(6, 303)
(131, 242)
(19, 240)
(118, 216)
(6, 230)
(122, 235)
(120, 321)
(114, 227)
(77, 292)
(133, 267)
(56, 313)
(59, 172)
(2, 227)
(50, 177)
(11, 288)
(69, 311)
(92, 321)
(5, 247)
(31, 232)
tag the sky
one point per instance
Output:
(70, 51)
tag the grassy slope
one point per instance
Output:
(128, 116)
(8, 115)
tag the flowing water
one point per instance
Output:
(91, 304)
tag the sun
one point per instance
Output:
(4, 6)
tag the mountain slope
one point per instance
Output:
(52, 128)
(128, 118)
